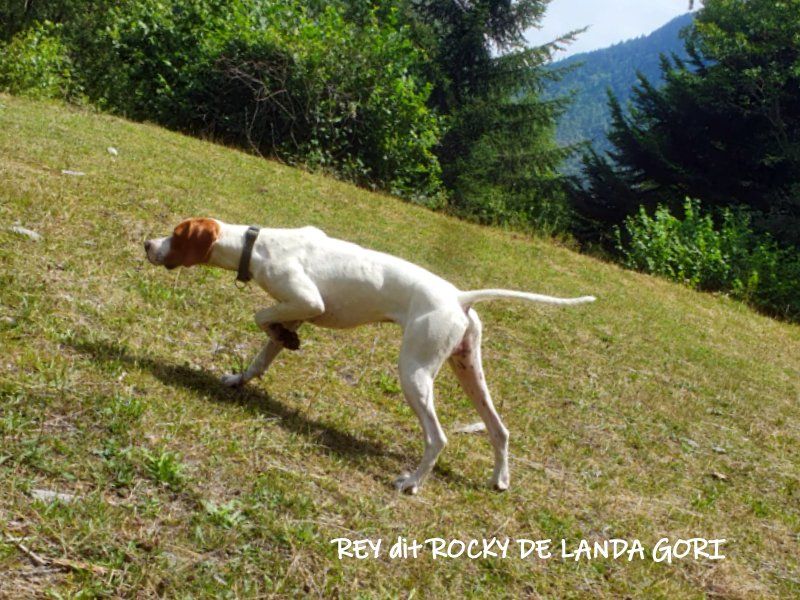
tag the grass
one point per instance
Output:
(656, 412)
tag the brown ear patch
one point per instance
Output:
(191, 243)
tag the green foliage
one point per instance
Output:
(35, 63)
(165, 467)
(498, 156)
(725, 127)
(315, 86)
(727, 256)
(227, 515)
(285, 79)
(138, 57)
(389, 384)
(508, 174)
(688, 250)
(589, 76)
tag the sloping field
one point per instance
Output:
(655, 413)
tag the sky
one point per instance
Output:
(609, 21)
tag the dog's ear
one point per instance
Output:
(191, 243)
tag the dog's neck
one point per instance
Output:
(227, 250)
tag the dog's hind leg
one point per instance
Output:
(426, 343)
(467, 365)
(259, 365)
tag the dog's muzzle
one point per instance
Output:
(155, 251)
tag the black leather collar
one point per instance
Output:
(247, 251)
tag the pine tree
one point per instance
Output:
(725, 127)
(499, 156)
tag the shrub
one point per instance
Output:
(312, 86)
(277, 77)
(726, 255)
(35, 63)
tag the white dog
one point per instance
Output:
(333, 283)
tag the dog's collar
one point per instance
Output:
(250, 236)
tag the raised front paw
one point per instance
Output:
(288, 338)
(232, 380)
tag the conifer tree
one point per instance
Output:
(499, 156)
(725, 127)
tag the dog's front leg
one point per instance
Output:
(259, 365)
(276, 326)
(299, 300)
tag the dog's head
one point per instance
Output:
(190, 244)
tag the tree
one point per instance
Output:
(499, 157)
(724, 128)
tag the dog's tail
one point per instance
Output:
(469, 298)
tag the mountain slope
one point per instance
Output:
(656, 412)
(612, 68)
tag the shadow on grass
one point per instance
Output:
(257, 401)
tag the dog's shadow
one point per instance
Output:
(344, 445)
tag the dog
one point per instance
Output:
(333, 283)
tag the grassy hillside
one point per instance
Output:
(656, 412)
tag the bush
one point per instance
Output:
(35, 63)
(723, 256)
(311, 85)
(277, 77)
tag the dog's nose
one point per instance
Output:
(147, 245)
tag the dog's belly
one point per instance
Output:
(347, 315)
(342, 321)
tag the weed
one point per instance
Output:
(227, 515)
(164, 467)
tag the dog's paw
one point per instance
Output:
(288, 338)
(500, 481)
(500, 486)
(407, 484)
(232, 380)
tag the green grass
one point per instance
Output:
(656, 412)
